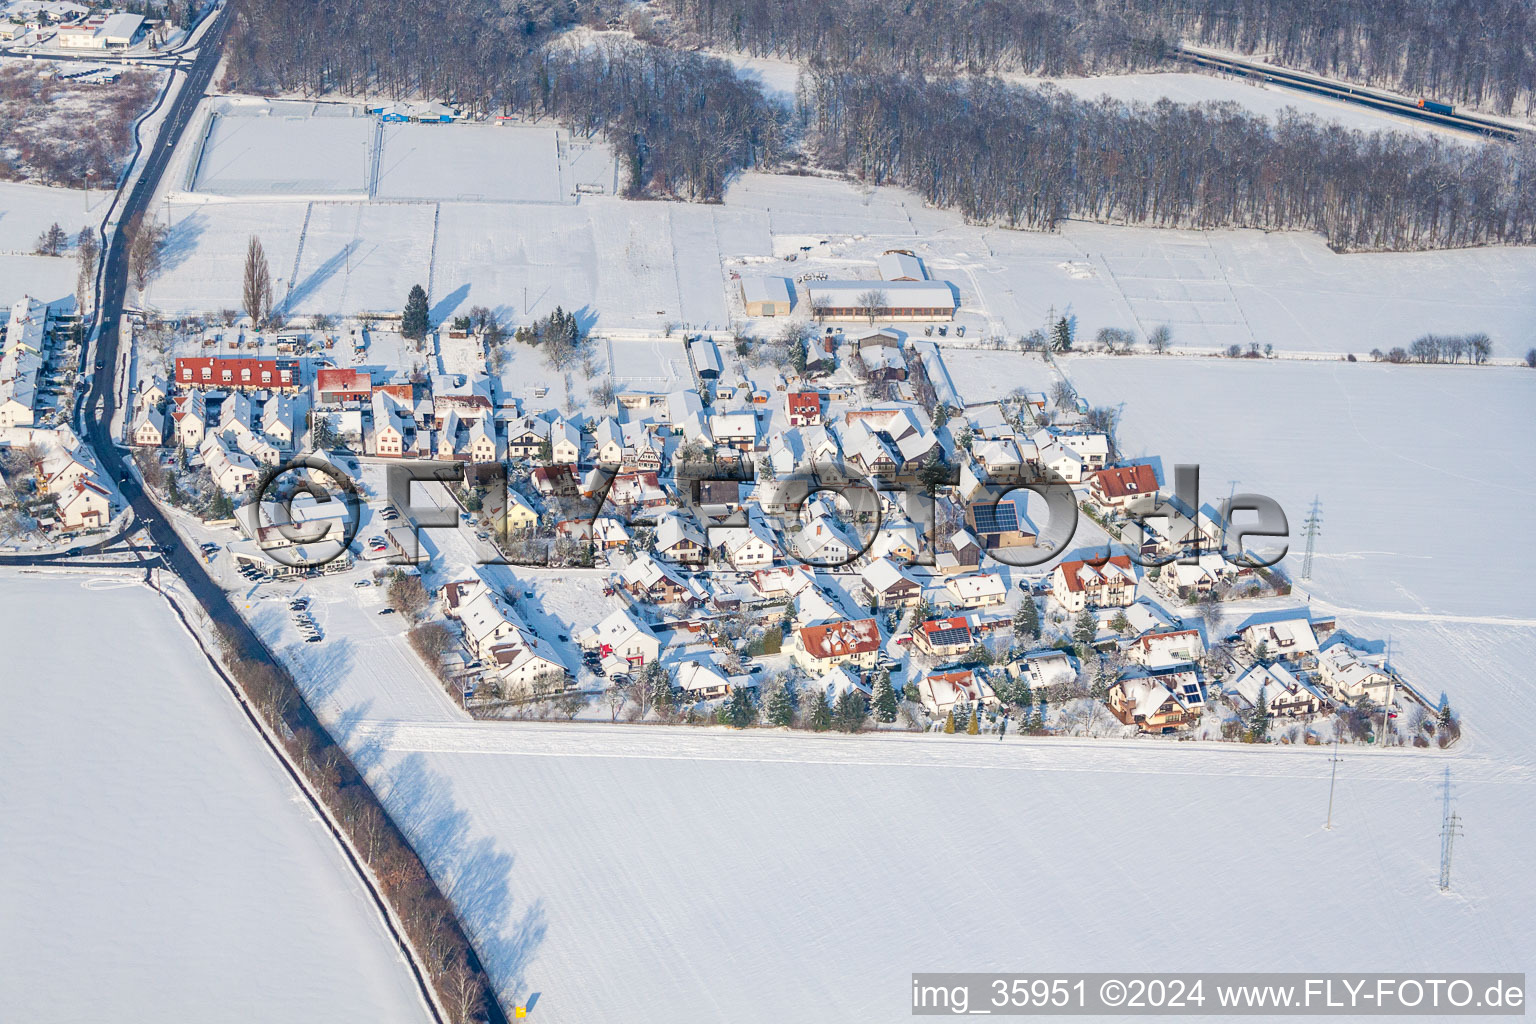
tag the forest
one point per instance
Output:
(1480, 54)
(885, 101)
(1014, 156)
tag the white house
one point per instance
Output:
(621, 639)
(978, 590)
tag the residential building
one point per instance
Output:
(855, 643)
(942, 690)
(1077, 585)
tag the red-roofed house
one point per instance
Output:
(804, 408)
(945, 637)
(941, 691)
(237, 372)
(1078, 585)
(1122, 485)
(338, 386)
(838, 643)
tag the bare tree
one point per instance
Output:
(52, 241)
(87, 249)
(146, 250)
(256, 291)
(874, 302)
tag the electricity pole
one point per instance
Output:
(1332, 778)
(1450, 828)
(1314, 526)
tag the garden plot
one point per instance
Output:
(160, 864)
(249, 153)
(507, 163)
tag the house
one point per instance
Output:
(565, 443)
(147, 428)
(999, 460)
(855, 643)
(1124, 487)
(885, 585)
(884, 364)
(1284, 694)
(944, 638)
(941, 691)
(521, 515)
(233, 471)
(341, 386)
(822, 542)
(277, 418)
(190, 416)
(1043, 670)
(59, 472)
(656, 582)
(782, 581)
(981, 590)
(555, 481)
(1143, 701)
(702, 679)
(526, 437)
(745, 547)
(735, 430)
(493, 633)
(1282, 638)
(899, 265)
(1350, 674)
(1093, 448)
(999, 525)
(678, 541)
(237, 373)
(706, 358)
(392, 428)
(766, 296)
(623, 639)
(608, 442)
(85, 506)
(1166, 649)
(1060, 463)
(637, 491)
(1077, 585)
(962, 553)
(803, 407)
(609, 533)
(155, 392)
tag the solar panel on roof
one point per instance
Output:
(1000, 518)
(950, 635)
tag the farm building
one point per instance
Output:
(882, 300)
(766, 296)
(706, 358)
(898, 265)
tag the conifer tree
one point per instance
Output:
(852, 710)
(1084, 629)
(973, 727)
(781, 706)
(662, 697)
(949, 721)
(885, 698)
(741, 711)
(818, 716)
(1026, 625)
(416, 320)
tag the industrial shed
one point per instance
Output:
(766, 296)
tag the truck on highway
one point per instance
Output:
(1435, 108)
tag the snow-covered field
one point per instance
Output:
(159, 865)
(528, 243)
(259, 152)
(26, 211)
(1425, 473)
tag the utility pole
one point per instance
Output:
(1332, 778)
(1314, 526)
(1450, 828)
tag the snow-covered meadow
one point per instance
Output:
(159, 864)
(494, 216)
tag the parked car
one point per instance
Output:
(363, 583)
(386, 611)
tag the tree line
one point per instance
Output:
(1470, 53)
(1025, 158)
(680, 123)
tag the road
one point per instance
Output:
(101, 405)
(1377, 99)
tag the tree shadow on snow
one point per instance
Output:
(301, 291)
(475, 874)
(181, 240)
(449, 303)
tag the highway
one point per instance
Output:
(1401, 106)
